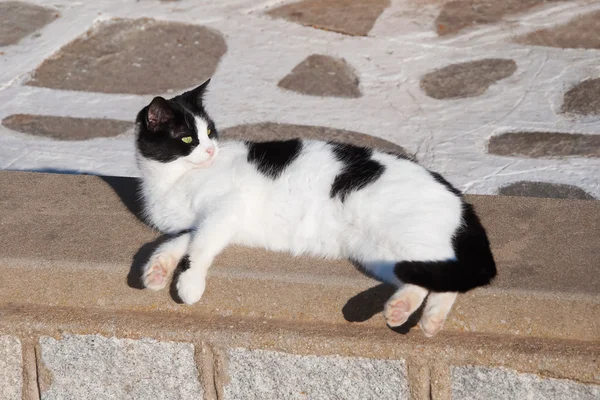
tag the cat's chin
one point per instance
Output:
(201, 164)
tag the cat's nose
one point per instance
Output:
(210, 151)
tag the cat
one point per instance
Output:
(403, 224)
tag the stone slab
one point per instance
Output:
(460, 14)
(66, 128)
(582, 32)
(84, 234)
(264, 375)
(545, 189)
(11, 362)
(467, 79)
(351, 17)
(544, 144)
(320, 75)
(19, 19)
(95, 367)
(583, 98)
(483, 383)
(114, 57)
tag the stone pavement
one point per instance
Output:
(502, 97)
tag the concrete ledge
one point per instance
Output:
(71, 247)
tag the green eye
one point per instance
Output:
(187, 139)
(208, 132)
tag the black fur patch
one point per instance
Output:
(474, 264)
(184, 263)
(163, 143)
(359, 169)
(271, 158)
(163, 123)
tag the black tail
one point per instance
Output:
(474, 264)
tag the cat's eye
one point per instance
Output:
(208, 132)
(187, 139)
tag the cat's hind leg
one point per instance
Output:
(436, 310)
(164, 260)
(403, 303)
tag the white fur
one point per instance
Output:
(403, 215)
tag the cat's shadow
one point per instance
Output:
(360, 308)
(128, 191)
(134, 278)
(370, 302)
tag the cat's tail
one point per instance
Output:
(473, 266)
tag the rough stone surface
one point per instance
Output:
(352, 17)
(545, 144)
(19, 19)
(95, 367)
(545, 189)
(583, 99)
(266, 375)
(321, 75)
(466, 79)
(114, 57)
(579, 33)
(66, 128)
(481, 383)
(62, 234)
(273, 131)
(10, 368)
(457, 15)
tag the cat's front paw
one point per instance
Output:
(190, 286)
(157, 271)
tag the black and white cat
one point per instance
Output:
(404, 224)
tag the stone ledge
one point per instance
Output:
(73, 241)
(71, 246)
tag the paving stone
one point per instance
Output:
(545, 144)
(264, 375)
(482, 383)
(545, 189)
(457, 15)
(352, 17)
(266, 131)
(583, 99)
(581, 33)
(66, 128)
(19, 19)
(95, 367)
(126, 56)
(467, 79)
(320, 75)
(10, 368)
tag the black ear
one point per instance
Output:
(195, 96)
(159, 112)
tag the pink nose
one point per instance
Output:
(210, 150)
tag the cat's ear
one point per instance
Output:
(196, 95)
(159, 112)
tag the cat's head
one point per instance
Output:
(177, 130)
